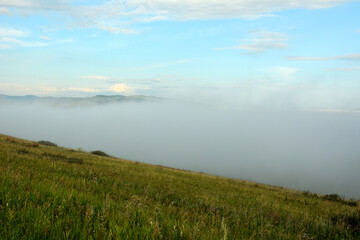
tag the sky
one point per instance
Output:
(249, 54)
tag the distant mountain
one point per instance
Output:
(76, 101)
(18, 98)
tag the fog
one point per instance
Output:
(314, 151)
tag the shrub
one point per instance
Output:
(337, 198)
(74, 160)
(100, 153)
(10, 139)
(23, 151)
(47, 143)
(35, 144)
(309, 194)
(333, 197)
(351, 220)
(63, 158)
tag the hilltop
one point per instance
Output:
(75, 101)
(51, 192)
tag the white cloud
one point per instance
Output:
(4, 11)
(116, 15)
(16, 41)
(95, 77)
(5, 46)
(25, 89)
(346, 69)
(45, 38)
(261, 47)
(215, 9)
(86, 90)
(261, 41)
(122, 88)
(48, 89)
(35, 4)
(153, 19)
(10, 37)
(349, 57)
(283, 72)
(115, 29)
(11, 32)
(267, 36)
(144, 88)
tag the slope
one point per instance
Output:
(49, 192)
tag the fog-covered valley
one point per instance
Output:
(313, 151)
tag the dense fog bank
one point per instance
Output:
(312, 151)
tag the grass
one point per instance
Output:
(53, 193)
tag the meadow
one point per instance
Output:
(51, 192)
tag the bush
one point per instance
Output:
(337, 198)
(351, 220)
(10, 139)
(333, 197)
(310, 194)
(23, 151)
(100, 153)
(63, 158)
(47, 143)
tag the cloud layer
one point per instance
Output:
(117, 15)
(215, 9)
(10, 37)
(261, 41)
(350, 57)
(35, 4)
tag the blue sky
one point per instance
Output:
(251, 54)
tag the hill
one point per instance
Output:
(50, 192)
(75, 101)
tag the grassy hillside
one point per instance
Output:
(49, 192)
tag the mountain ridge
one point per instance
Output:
(76, 101)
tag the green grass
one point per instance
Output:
(53, 193)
